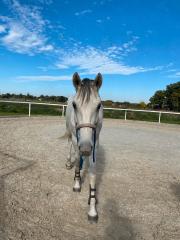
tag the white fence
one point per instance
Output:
(63, 106)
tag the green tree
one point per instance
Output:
(142, 105)
(167, 99)
(173, 96)
(158, 99)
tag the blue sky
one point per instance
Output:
(135, 44)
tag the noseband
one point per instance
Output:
(83, 125)
(86, 125)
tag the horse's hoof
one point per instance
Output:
(76, 189)
(69, 167)
(93, 219)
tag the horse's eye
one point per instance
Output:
(74, 105)
(99, 106)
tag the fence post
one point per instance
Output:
(63, 111)
(125, 116)
(159, 117)
(29, 109)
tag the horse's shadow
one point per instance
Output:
(2, 209)
(175, 187)
(119, 227)
(101, 160)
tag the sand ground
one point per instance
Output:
(138, 181)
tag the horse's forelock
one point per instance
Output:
(86, 89)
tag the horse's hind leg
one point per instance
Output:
(69, 163)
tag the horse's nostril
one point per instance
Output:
(85, 150)
(85, 153)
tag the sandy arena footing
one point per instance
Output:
(138, 181)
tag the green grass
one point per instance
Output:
(142, 116)
(15, 109)
(114, 114)
(23, 109)
(46, 110)
(168, 118)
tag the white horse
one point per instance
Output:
(84, 117)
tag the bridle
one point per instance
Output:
(87, 125)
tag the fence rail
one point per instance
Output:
(35, 103)
(126, 110)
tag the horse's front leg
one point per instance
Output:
(92, 214)
(77, 176)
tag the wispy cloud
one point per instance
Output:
(103, 20)
(83, 12)
(102, 2)
(24, 31)
(90, 60)
(2, 28)
(171, 70)
(99, 21)
(47, 2)
(44, 78)
(129, 32)
(175, 74)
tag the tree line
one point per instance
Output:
(168, 99)
(29, 97)
(62, 99)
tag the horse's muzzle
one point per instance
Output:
(85, 149)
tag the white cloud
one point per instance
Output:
(44, 78)
(61, 66)
(91, 60)
(129, 32)
(149, 31)
(178, 74)
(171, 70)
(48, 47)
(47, 2)
(175, 75)
(103, 20)
(2, 28)
(102, 2)
(24, 30)
(99, 20)
(83, 12)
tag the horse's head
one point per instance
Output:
(88, 111)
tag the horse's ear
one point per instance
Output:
(98, 81)
(76, 80)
